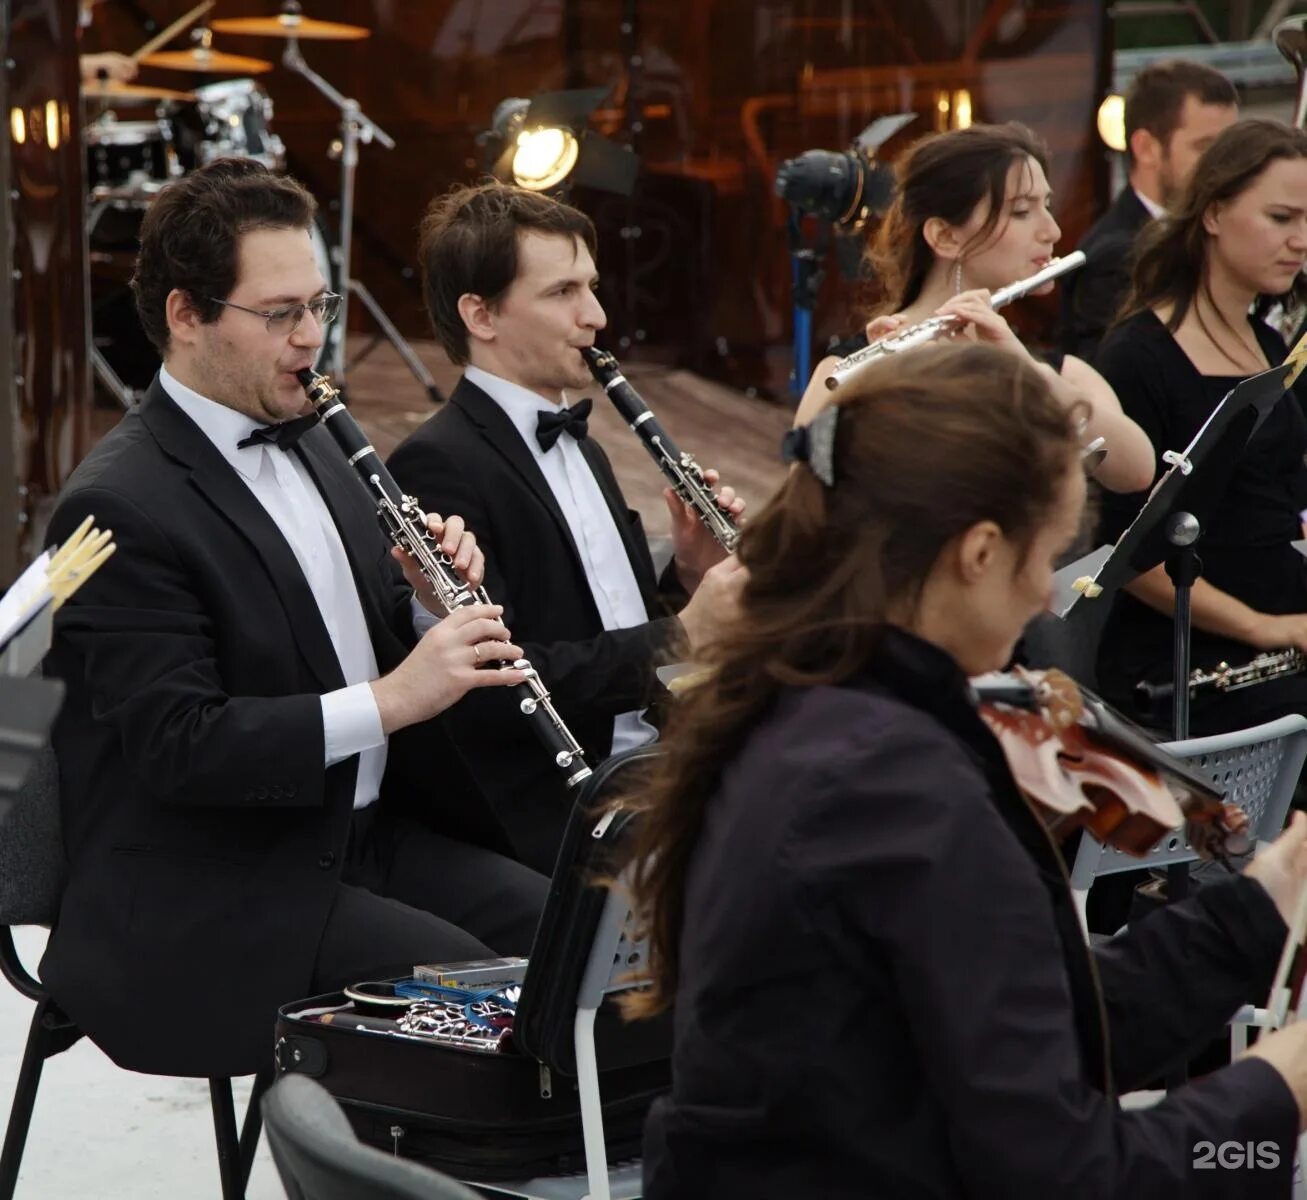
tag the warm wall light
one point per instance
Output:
(18, 126)
(941, 110)
(1111, 122)
(962, 109)
(52, 128)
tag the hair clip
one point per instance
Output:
(814, 444)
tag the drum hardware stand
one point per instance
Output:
(126, 396)
(355, 127)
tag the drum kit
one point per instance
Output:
(129, 161)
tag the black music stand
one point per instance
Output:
(1169, 525)
(28, 706)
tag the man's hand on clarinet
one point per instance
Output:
(694, 548)
(460, 544)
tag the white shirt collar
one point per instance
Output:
(1155, 210)
(520, 405)
(223, 426)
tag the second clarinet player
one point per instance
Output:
(406, 524)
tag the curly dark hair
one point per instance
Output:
(190, 238)
(469, 242)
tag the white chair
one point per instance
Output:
(1258, 768)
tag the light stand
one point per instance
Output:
(355, 127)
(805, 282)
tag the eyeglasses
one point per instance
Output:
(286, 320)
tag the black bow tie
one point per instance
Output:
(550, 426)
(284, 435)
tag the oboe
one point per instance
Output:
(406, 525)
(1273, 664)
(681, 470)
(937, 327)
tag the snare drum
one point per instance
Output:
(124, 157)
(231, 119)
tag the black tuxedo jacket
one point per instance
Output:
(204, 834)
(1092, 296)
(469, 459)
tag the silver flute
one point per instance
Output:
(682, 472)
(937, 327)
(406, 525)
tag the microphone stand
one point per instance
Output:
(355, 127)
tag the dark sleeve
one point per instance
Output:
(1100, 289)
(1229, 935)
(608, 674)
(912, 854)
(1130, 365)
(146, 646)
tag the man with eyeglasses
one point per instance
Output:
(251, 679)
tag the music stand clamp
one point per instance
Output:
(355, 127)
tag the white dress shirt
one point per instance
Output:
(281, 483)
(1155, 210)
(603, 553)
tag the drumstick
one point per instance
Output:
(161, 39)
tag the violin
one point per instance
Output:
(1083, 766)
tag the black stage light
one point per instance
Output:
(844, 188)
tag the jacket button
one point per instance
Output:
(327, 861)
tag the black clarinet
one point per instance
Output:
(684, 474)
(406, 525)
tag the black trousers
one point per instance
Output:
(409, 895)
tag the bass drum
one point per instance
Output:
(115, 330)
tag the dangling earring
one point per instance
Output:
(957, 278)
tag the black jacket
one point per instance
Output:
(205, 836)
(884, 990)
(469, 459)
(1092, 296)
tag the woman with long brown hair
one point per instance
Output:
(972, 214)
(879, 980)
(1188, 336)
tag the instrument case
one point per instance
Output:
(514, 1114)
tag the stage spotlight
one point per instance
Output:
(1111, 122)
(845, 187)
(544, 158)
(544, 144)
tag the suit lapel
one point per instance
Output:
(500, 432)
(1131, 211)
(637, 551)
(216, 480)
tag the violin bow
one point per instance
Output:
(1286, 989)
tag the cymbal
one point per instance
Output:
(111, 89)
(291, 25)
(207, 62)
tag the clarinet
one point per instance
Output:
(406, 525)
(936, 327)
(1274, 664)
(684, 474)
